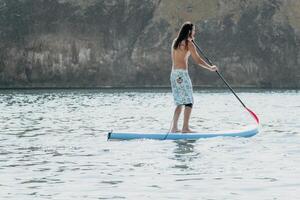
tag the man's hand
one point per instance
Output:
(213, 68)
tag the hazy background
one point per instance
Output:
(95, 43)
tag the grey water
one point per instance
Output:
(53, 145)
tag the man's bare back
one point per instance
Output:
(180, 56)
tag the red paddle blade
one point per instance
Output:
(253, 115)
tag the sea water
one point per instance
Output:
(53, 145)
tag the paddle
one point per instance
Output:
(209, 62)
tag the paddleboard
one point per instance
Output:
(246, 132)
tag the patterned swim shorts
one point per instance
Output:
(182, 88)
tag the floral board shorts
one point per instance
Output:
(182, 88)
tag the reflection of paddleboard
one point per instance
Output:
(247, 132)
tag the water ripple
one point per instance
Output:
(53, 145)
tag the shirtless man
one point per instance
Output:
(182, 89)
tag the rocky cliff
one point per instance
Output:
(87, 43)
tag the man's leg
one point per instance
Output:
(186, 118)
(175, 119)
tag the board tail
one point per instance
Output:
(109, 135)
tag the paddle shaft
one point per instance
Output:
(209, 62)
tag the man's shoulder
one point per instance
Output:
(190, 43)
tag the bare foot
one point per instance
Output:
(188, 131)
(175, 131)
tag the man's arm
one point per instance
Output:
(196, 57)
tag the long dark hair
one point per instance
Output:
(184, 33)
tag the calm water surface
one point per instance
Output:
(53, 146)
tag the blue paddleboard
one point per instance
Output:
(247, 132)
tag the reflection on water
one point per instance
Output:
(184, 153)
(53, 146)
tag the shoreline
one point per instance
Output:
(196, 87)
